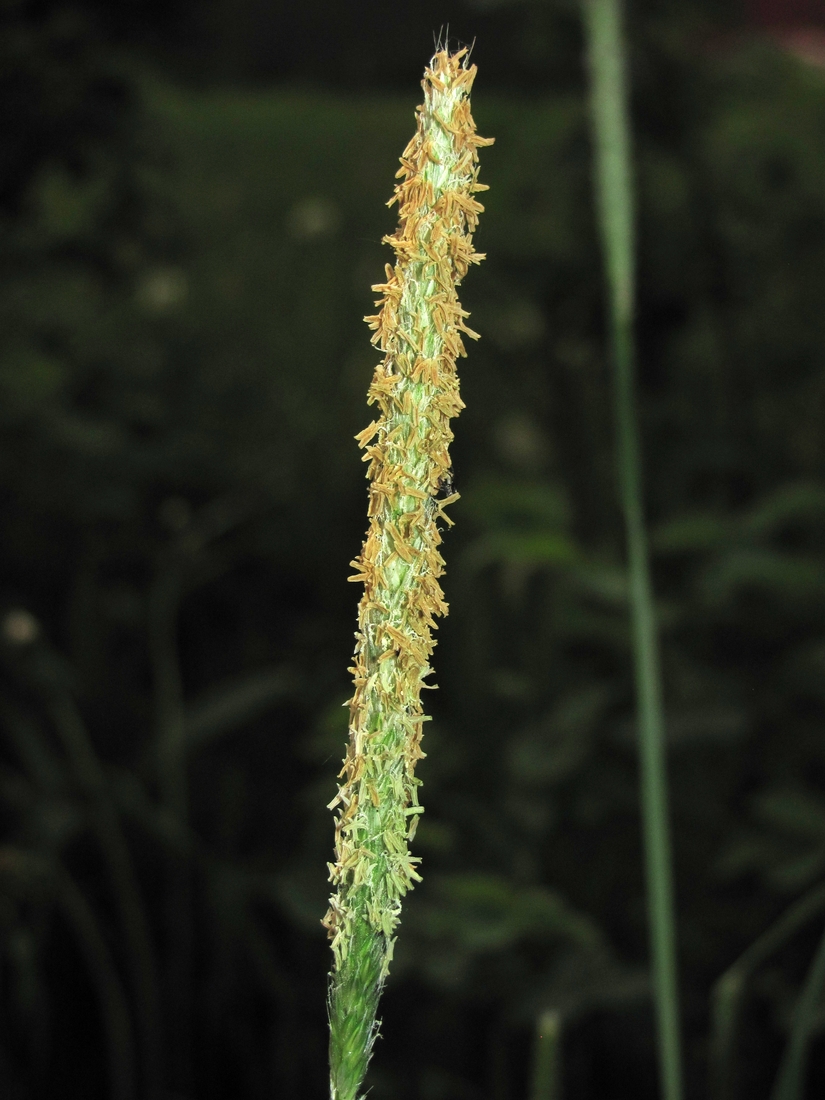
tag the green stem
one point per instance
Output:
(353, 1008)
(546, 1084)
(609, 102)
(790, 1080)
(726, 998)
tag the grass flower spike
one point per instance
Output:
(419, 328)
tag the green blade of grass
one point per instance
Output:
(614, 191)
(91, 778)
(114, 1010)
(790, 1080)
(728, 991)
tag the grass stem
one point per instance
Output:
(546, 1083)
(173, 784)
(93, 781)
(614, 190)
(114, 1010)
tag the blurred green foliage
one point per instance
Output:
(182, 369)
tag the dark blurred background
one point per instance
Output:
(191, 208)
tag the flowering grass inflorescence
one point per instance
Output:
(418, 327)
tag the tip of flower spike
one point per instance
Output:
(449, 69)
(441, 44)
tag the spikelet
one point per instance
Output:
(419, 327)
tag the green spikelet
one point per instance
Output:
(418, 327)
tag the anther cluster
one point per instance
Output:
(419, 328)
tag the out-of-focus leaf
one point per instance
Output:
(30, 378)
(794, 502)
(780, 576)
(603, 581)
(691, 533)
(795, 812)
(723, 725)
(524, 525)
(516, 505)
(791, 875)
(67, 206)
(482, 913)
(747, 853)
(32, 748)
(134, 802)
(788, 848)
(516, 548)
(240, 700)
(549, 751)
(579, 982)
